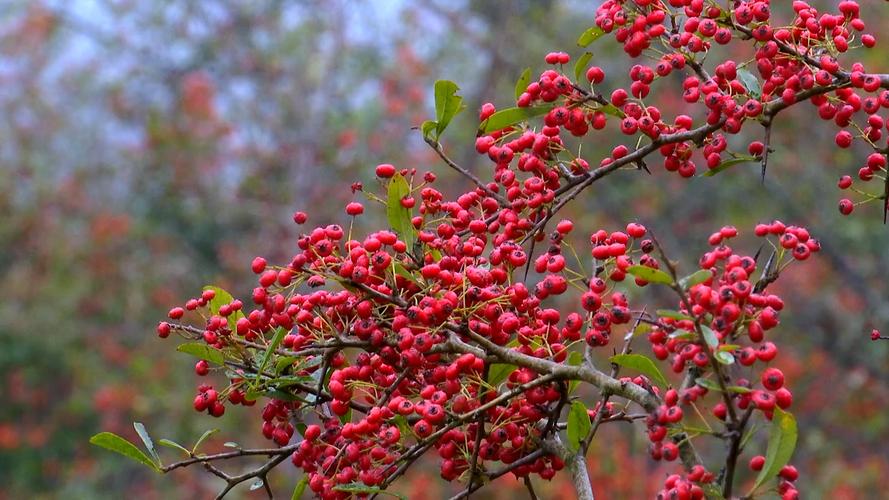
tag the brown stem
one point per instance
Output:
(731, 460)
(436, 146)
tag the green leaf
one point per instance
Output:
(580, 66)
(273, 345)
(578, 425)
(710, 336)
(669, 313)
(204, 436)
(641, 364)
(400, 217)
(203, 351)
(300, 488)
(730, 163)
(402, 424)
(346, 417)
(650, 275)
(447, 104)
(725, 358)
(641, 329)
(708, 384)
(510, 116)
(782, 441)
(711, 490)
(289, 380)
(695, 278)
(750, 82)
(149, 444)
(436, 254)
(285, 361)
(712, 385)
(222, 298)
(574, 359)
(400, 270)
(498, 372)
(682, 335)
(611, 109)
(522, 83)
(283, 396)
(117, 444)
(173, 444)
(427, 127)
(589, 36)
(363, 488)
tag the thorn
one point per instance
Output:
(756, 255)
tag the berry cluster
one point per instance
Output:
(434, 334)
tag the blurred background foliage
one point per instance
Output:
(149, 148)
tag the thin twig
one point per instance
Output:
(436, 146)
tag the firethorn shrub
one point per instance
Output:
(369, 349)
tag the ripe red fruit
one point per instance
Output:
(385, 171)
(200, 402)
(789, 473)
(756, 148)
(783, 398)
(772, 379)
(422, 428)
(258, 265)
(564, 226)
(163, 329)
(843, 139)
(595, 74)
(176, 313)
(300, 217)
(354, 208)
(202, 368)
(846, 206)
(757, 462)
(217, 409)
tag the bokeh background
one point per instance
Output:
(150, 147)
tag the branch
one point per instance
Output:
(527, 459)
(530, 488)
(731, 459)
(584, 181)
(683, 297)
(580, 476)
(278, 455)
(436, 146)
(624, 389)
(286, 450)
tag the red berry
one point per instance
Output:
(163, 330)
(354, 208)
(772, 379)
(757, 462)
(258, 265)
(564, 226)
(202, 368)
(385, 171)
(843, 139)
(176, 313)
